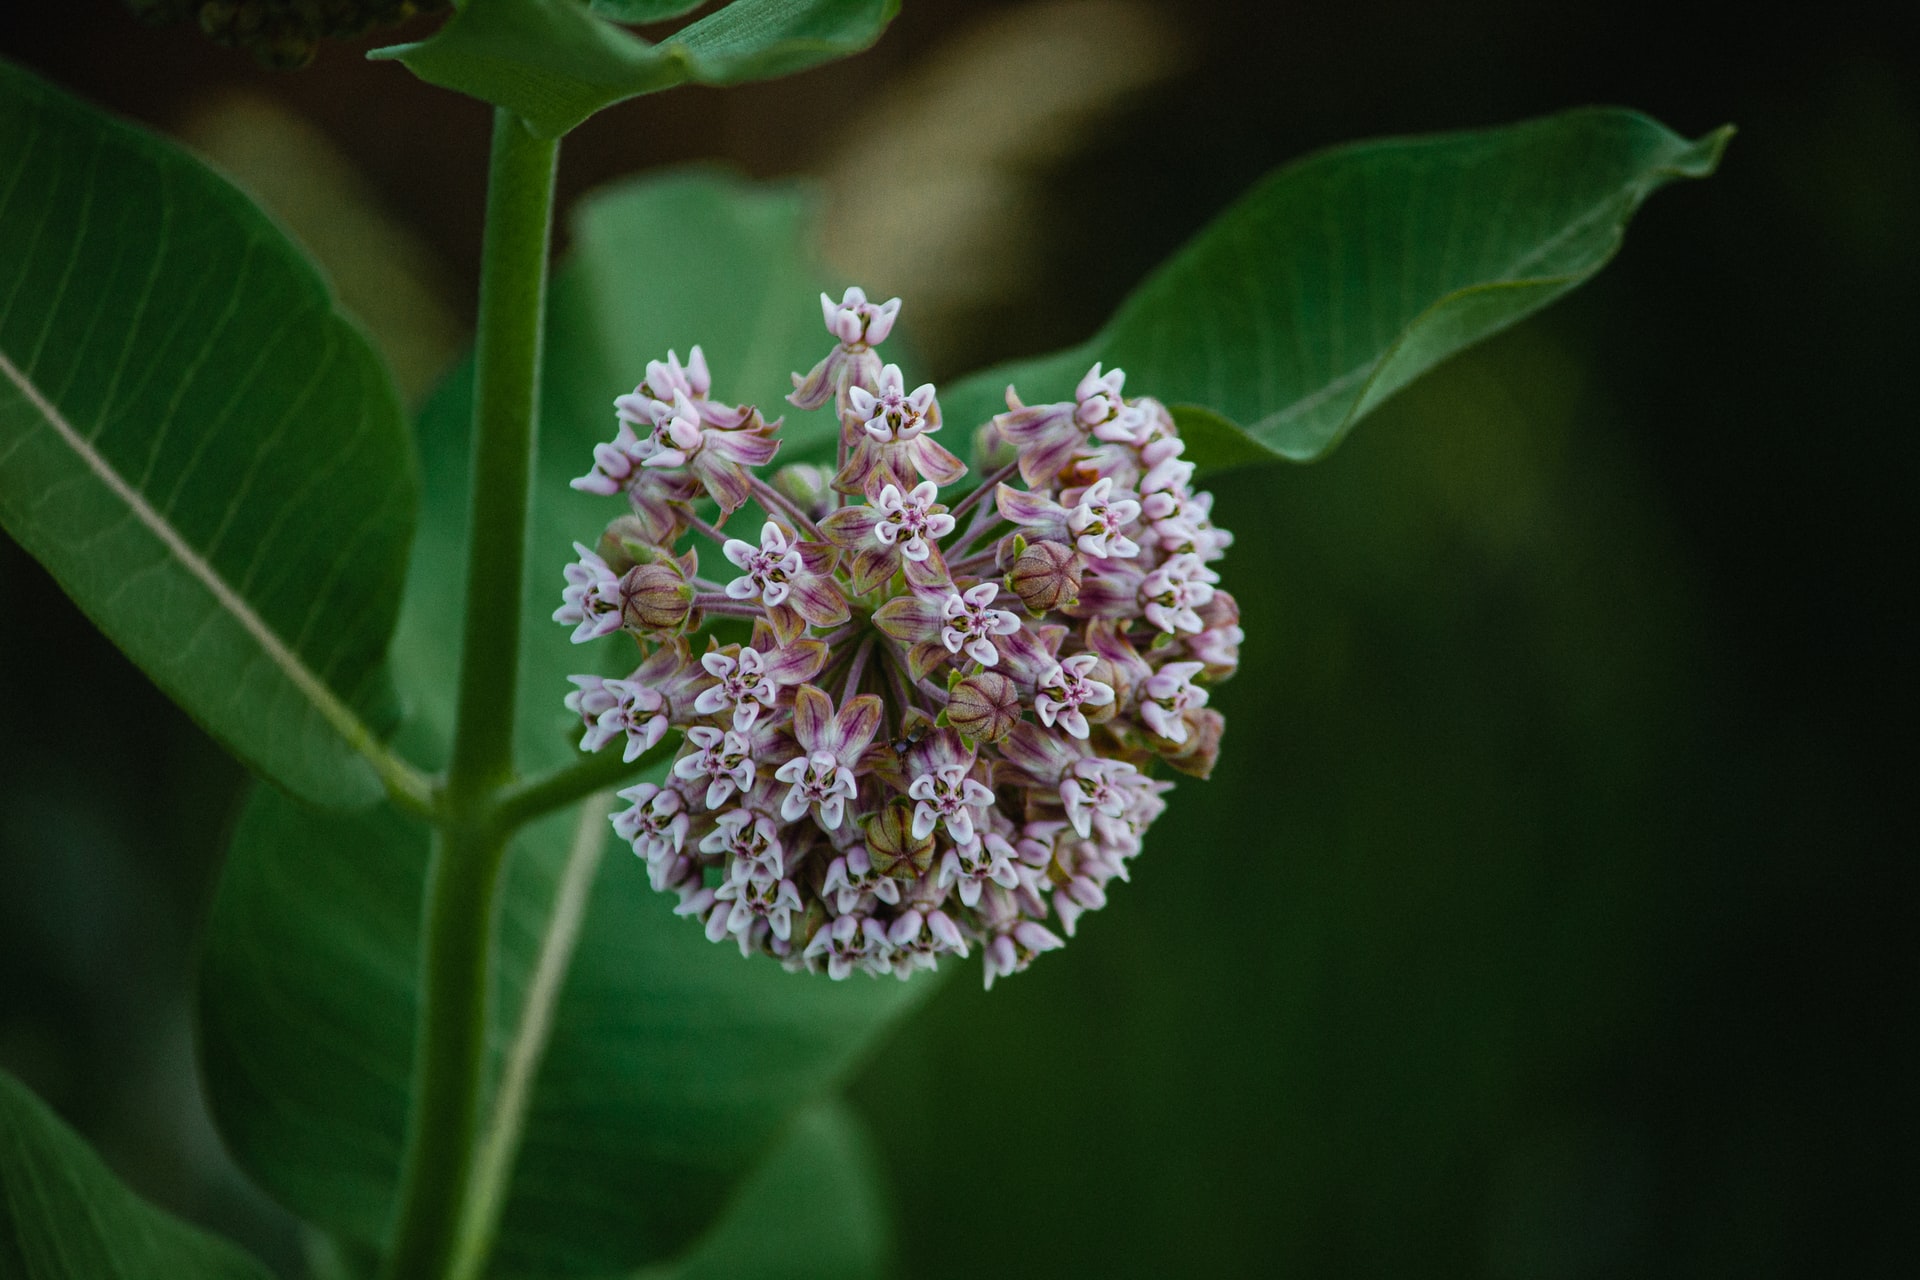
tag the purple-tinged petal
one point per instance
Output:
(817, 557)
(812, 718)
(1042, 755)
(871, 566)
(745, 447)
(857, 722)
(819, 601)
(725, 481)
(851, 527)
(933, 461)
(910, 617)
(785, 622)
(924, 657)
(796, 662)
(1033, 510)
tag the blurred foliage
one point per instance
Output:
(65, 1217)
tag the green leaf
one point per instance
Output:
(812, 1208)
(673, 1064)
(555, 63)
(208, 457)
(64, 1216)
(1341, 278)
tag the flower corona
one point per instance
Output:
(940, 727)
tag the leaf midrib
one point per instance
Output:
(335, 712)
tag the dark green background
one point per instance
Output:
(1547, 915)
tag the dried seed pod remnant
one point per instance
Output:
(943, 731)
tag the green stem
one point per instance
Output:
(498, 1149)
(525, 801)
(450, 1052)
(513, 286)
(450, 1056)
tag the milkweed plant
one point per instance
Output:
(873, 676)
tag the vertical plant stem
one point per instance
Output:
(449, 1052)
(450, 1056)
(513, 289)
(502, 1141)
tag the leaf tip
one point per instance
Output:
(1701, 158)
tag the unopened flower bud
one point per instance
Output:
(1047, 576)
(625, 544)
(655, 597)
(984, 707)
(809, 486)
(1196, 755)
(892, 847)
(1222, 610)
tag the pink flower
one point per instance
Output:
(613, 709)
(1171, 595)
(769, 569)
(860, 326)
(857, 322)
(889, 431)
(1097, 518)
(971, 865)
(1168, 695)
(851, 879)
(821, 776)
(591, 598)
(655, 823)
(724, 759)
(851, 940)
(1064, 687)
(748, 682)
(750, 843)
(890, 414)
(912, 522)
(970, 622)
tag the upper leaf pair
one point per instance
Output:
(556, 62)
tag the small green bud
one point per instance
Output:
(892, 847)
(984, 707)
(655, 598)
(1047, 576)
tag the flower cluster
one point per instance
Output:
(938, 727)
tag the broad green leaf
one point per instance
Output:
(554, 62)
(64, 1216)
(208, 457)
(673, 1064)
(1340, 279)
(810, 1209)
